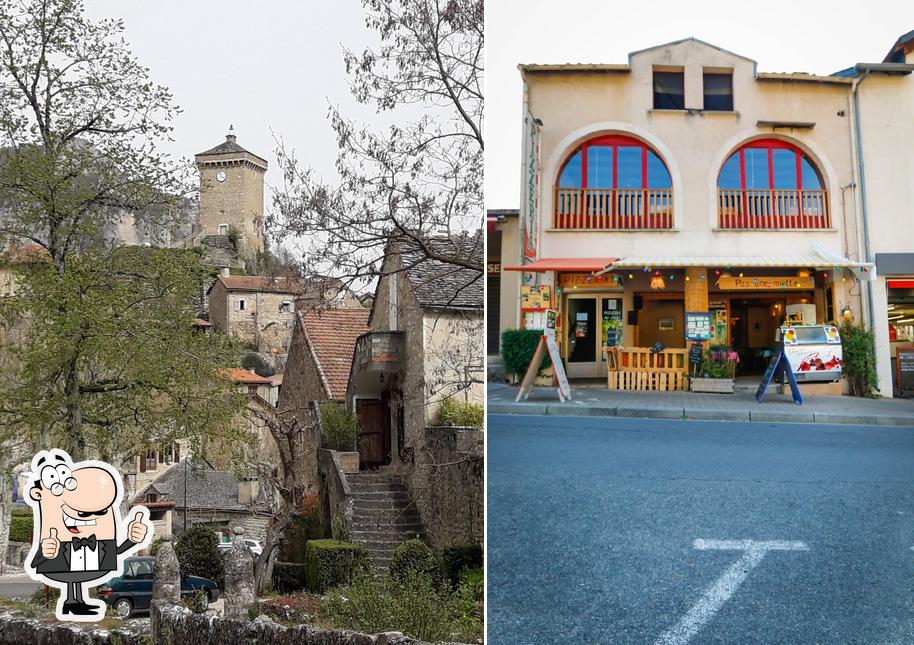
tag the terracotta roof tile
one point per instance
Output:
(238, 375)
(332, 334)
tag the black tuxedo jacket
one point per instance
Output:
(108, 550)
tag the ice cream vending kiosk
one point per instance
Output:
(813, 351)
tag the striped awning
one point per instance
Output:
(796, 261)
(820, 259)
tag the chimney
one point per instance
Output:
(225, 272)
(248, 489)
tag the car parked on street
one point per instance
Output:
(131, 592)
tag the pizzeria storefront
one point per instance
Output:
(640, 302)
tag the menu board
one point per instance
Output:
(698, 325)
(535, 297)
(904, 363)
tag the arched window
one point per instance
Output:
(769, 183)
(613, 182)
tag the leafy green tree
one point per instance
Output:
(104, 360)
(112, 363)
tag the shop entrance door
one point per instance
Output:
(587, 333)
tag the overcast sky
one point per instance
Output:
(261, 66)
(816, 36)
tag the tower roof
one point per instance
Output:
(229, 147)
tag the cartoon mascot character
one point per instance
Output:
(79, 539)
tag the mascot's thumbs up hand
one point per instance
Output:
(50, 545)
(136, 530)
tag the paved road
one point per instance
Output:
(592, 529)
(20, 586)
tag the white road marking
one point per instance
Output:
(725, 586)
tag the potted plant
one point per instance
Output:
(715, 373)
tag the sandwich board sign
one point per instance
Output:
(546, 344)
(779, 366)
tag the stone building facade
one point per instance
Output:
(259, 311)
(320, 357)
(425, 344)
(231, 193)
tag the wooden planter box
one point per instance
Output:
(713, 385)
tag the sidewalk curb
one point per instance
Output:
(777, 416)
(649, 413)
(703, 414)
(698, 414)
(572, 410)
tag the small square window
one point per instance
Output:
(668, 91)
(285, 307)
(718, 90)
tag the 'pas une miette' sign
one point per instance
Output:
(733, 283)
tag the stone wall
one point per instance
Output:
(19, 630)
(336, 496)
(180, 625)
(450, 498)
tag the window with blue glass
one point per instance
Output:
(768, 164)
(614, 162)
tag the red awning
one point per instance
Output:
(900, 284)
(564, 264)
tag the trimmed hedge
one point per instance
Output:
(289, 576)
(21, 528)
(413, 558)
(458, 558)
(331, 563)
(518, 347)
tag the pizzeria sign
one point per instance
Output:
(731, 283)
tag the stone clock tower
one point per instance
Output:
(231, 192)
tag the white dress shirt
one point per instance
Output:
(84, 559)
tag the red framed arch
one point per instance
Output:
(613, 182)
(771, 184)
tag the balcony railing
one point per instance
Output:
(772, 209)
(620, 209)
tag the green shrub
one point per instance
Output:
(414, 605)
(413, 557)
(470, 600)
(197, 552)
(154, 546)
(458, 558)
(461, 413)
(305, 526)
(330, 563)
(21, 527)
(518, 347)
(289, 577)
(339, 426)
(859, 348)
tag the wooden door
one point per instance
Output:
(374, 434)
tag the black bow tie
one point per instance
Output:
(79, 543)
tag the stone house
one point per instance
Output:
(258, 310)
(217, 498)
(425, 344)
(320, 357)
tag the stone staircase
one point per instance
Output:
(383, 515)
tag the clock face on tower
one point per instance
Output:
(221, 176)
